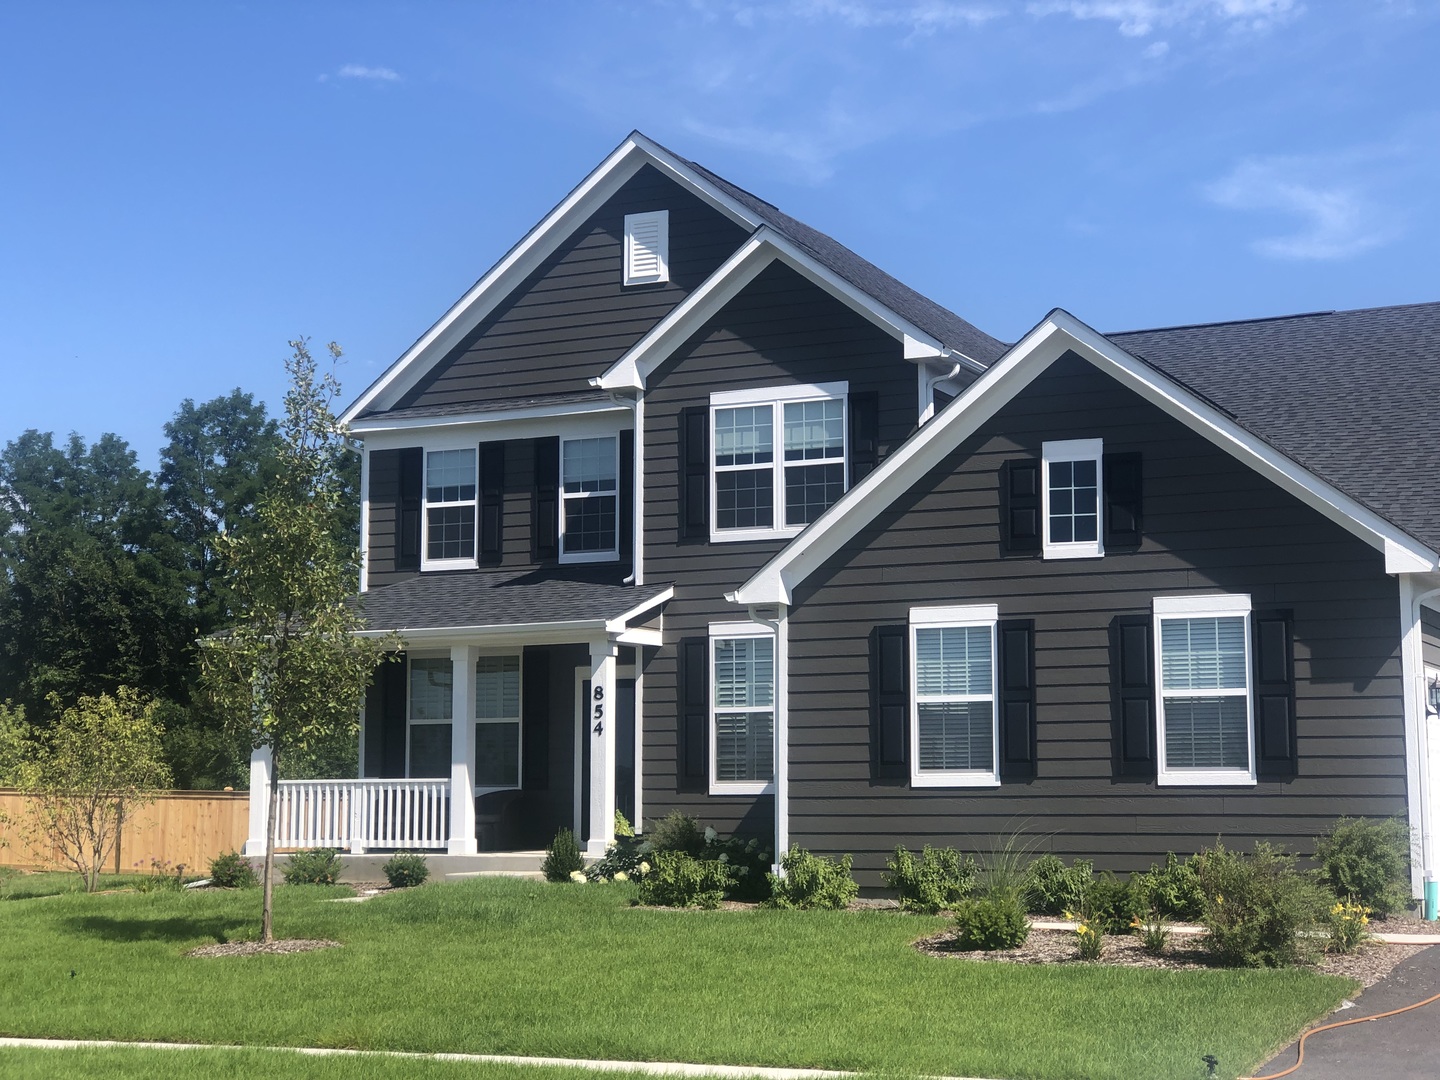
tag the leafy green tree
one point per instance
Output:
(89, 774)
(291, 670)
(91, 592)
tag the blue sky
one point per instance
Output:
(184, 187)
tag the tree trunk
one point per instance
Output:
(268, 903)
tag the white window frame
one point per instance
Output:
(519, 721)
(728, 632)
(613, 554)
(939, 618)
(1073, 450)
(427, 563)
(776, 397)
(661, 219)
(410, 721)
(1166, 608)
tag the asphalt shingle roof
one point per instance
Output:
(498, 598)
(1351, 395)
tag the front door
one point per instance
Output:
(624, 755)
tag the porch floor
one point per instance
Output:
(357, 869)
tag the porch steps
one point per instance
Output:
(367, 868)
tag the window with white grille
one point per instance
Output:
(742, 709)
(647, 248)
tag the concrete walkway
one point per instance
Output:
(653, 1068)
(1404, 1047)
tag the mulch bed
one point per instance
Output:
(264, 948)
(1367, 965)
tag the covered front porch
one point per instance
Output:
(536, 721)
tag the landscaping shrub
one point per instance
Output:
(1173, 889)
(316, 866)
(1368, 862)
(939, 880)
(1258, 906)
(1054, 888)
(563, 857)
(1153, 932)
(623, 826)
(812, 881)
(679, 880)
(628, 855)
(678, 831)
(1114, 903)
(748, 862)
(406, 869)
(233, 871)
(990, 923)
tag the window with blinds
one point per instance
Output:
(742, 712)
(647, 248)
(497, 722)
(953, 738)
(1203, 660)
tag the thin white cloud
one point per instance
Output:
(372, 74)
(1140, 18)
(925, 17)
(1337, 217)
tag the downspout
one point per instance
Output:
(781, 625)
(927, 392)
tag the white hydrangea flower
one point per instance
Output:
(620, 875)
(710, 834)
(578, 876)
(644, 868)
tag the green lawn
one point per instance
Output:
(516, 967)
(27, 886)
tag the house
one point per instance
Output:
(686, 506)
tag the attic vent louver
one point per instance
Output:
(647, 248)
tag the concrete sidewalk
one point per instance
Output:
(1404, 1047)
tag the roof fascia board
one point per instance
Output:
(1059, 333)
(493, 416)
(466, 313)
(765, 246)
(1403, 554)
(622, 621)
(527, 633)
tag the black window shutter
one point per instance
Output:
(1015, 645)
(864, 435)
(627, 497)
(1020, 507)
(412, 490)
(1132, 695)
(1123, 503)
(394, 682)
(535, 723)
(1274, 690)
(546, 501)
(889, 703)
(693, 694)
(695, 473)
(492, 500)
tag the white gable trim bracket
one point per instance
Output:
(764, 247)
(533, 249)
(1059, 333)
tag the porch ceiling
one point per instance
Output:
(512, 599)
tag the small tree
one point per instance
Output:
(90, 773)
(291, 672)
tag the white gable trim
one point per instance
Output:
(1060, 333)
(763, 248)
(534, 248)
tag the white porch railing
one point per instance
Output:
(358, 814)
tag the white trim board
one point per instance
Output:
(763, 248)
(1059, 333)
(537, 245)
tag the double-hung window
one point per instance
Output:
(742, 709)
(953, 738)
(1203, 673)
(431, 705)
(779, 458)
(590, 494)
(497, 722)
(1071, 498)
(450, 509)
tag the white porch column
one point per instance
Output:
(599, 721)
(462, 752)
(255, 843)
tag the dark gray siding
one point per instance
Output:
(1210, 525)
(571, 319)
(781, 330)
(384, 496)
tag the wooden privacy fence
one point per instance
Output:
(180, 828)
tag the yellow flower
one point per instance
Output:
(1220, 899)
